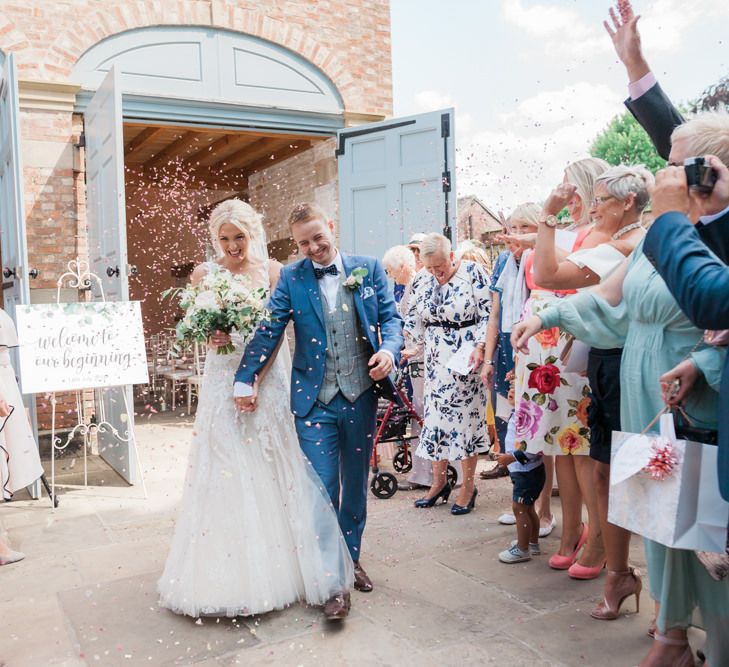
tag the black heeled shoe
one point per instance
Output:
(456, 509)
(444, 493)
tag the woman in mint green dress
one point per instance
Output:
(633, 309)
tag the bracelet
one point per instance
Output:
(488, 362)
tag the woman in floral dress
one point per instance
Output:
(450, 310)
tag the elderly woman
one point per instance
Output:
(448, 317)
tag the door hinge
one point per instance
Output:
(446, 178)
(445, 125)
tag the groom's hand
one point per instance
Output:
(248, 403)
(381, 365)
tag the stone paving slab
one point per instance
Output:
(85, 595)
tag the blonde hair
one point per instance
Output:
(239, 214)
(397, 257)
(582, 174)
(620, 181)
(472, 252)
(706, 133)
(434, 243)
(528, 211)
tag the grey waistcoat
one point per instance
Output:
(348, 351)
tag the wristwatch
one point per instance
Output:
(488, 362)
(550, 221)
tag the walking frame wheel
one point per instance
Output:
(384, 485)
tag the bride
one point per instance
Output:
(256, 530)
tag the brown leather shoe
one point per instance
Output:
(494, 473)
(361, 581)
(337, 608)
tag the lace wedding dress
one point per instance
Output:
(256, 530)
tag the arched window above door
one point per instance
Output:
(210, 65)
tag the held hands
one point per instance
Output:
(381, 365)
(523, 331)
(678, 382)
(248, 403)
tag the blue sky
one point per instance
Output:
(533, 81)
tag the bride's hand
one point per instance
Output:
(219, 338)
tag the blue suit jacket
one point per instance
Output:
(297, 298)
(700, 284)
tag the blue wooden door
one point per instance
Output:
(106, 219)
(396, 178)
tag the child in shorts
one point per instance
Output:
(527, 475)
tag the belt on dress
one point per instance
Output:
(451, 325)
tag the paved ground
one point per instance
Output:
(86, 592)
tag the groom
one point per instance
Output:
(348, 340)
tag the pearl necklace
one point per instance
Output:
(624, 230)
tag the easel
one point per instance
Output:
(80, 277)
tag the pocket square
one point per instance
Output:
(367, 292)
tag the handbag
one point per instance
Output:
(667, 490)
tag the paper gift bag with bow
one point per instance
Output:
(667, 489)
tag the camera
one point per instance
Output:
(699, 175)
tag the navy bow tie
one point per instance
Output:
(332, 270)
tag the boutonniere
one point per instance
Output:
(356, 278)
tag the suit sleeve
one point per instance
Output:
(696, 277)
(657, 116)
(263, 344)
(389, 318)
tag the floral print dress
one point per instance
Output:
(454, 405)
(551, 404)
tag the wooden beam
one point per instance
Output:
(229, 130)
(173, 149)
(209, 153)
(260, 149)
(145, 135)
(292, 148)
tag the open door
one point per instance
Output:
(13, 245)
(396, 178)
(106, 221)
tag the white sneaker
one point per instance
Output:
(507, 519)
(534, 549)
(546, 530)
(514, 555)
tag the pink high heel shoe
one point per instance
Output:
(577, 571)
(560, 562)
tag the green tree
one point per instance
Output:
(624, 141)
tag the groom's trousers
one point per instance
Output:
(337, 438)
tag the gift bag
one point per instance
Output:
(667, 489)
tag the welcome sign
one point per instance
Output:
(80, 345)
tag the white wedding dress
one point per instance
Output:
(256, 530)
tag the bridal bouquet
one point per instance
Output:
(221, 301)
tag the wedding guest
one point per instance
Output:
(448, 318)
(399, 264)
(414, 245)
(20, 463)
(634, 309)
(7, 555)
(474, 252)
(509, 289)
(551, 403)
(674, 139)
(698, 280)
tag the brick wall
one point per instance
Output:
(50, 35)
(308, 176)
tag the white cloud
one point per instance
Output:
(432, 100)
(523, 158)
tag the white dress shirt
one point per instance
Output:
(329, 284)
